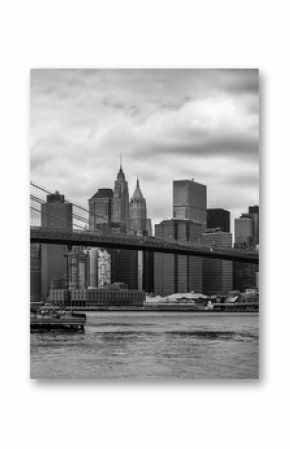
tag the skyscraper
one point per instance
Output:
(218, 218)
(100, 268)
(149, 227)
(217, 276)
(138, 212)
(101, 208)
(35, 272)
(254, 214)
(141, 225)
(244, 276)
(124, 267)
(244, 232)
(190, 201)
(78, 268)
(124, 263)
(174, 273)
(55, 213)
(247, 237)
(121, 200)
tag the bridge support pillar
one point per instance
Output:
(140, 270)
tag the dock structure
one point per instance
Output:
(73, 323)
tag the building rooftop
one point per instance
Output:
(137, 195)
(103, 193)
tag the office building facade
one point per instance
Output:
(124, 263)
(141, 225)
(124, 267)
(100, 268)
(246, 237)
(245, 276)
(35, 272)
(100, 208)
(218, 219)
(190, 201)
(175, 273)
(78, 268)
(121, 200)
(254, 214)
(138, 212)
(217, 275)
(88, 267)
(55, 213)
(98, 297)
(244, 232)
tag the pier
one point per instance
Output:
(74, 323)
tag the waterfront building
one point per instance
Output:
(113, 295)
(100, 208)
(78, 268)
(100, 267)
(174, 273)
(245, 275)
(190, 201)
(88, 268)
(60, 283)
(55, 213)
(59, 297)
(217, 275)
(121, 200)
(218, 218)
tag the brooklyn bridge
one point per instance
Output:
(81, 235)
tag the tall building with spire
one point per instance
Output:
(121, 200)
(141, 225)
(138, 211)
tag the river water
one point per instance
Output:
(151, 345)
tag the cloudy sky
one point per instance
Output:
(167, 124)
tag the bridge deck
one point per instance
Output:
(126, 241)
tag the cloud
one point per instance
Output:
(167, 124)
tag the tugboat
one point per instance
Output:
(51, 319)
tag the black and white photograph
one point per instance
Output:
(144, 224)
(144, 244)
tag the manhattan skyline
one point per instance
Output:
(167, 124)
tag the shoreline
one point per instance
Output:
(172, 309)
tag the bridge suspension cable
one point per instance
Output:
(75, 205)
(48, 215)
(66, 213)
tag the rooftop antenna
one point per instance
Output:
(120, 161)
